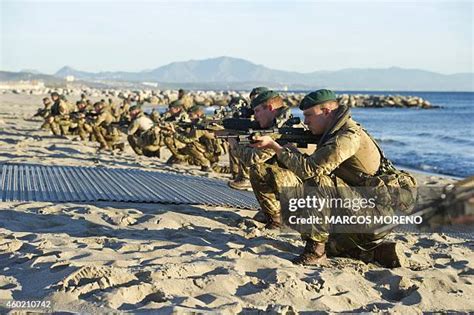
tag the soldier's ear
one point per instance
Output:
(326, 111)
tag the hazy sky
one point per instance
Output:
(287, 35)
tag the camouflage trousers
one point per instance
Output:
(83, 129)
(148, 143)
(205, 152)
(46, 125)
(172, 144)
(107, 136)
(59, 124)
(237, 168)
(274, 187)
(133, 141)
(196, 154)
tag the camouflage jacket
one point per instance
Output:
(181, 116)
(60, 108)
(104, 118)
(187, 101)
(43, 112)
(345, 150)
(249, 156)
(193, 134)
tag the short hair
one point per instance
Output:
(329, 104)
(275, 102)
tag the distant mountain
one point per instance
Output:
(19, 76)
(227, 72)
(33, 71)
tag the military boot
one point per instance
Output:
(119, 146)
(55, 129)
(389, 255)
(174, 160)
(240, 183)
(261, 217)
(220, 169)
(206, 168)
(314, 254)
(273, 222)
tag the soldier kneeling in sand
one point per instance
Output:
(58, 118)
(105, 132)
(143, 135)
(347, 164)
(44, 112)
(201, 147)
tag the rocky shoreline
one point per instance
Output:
(222, 98)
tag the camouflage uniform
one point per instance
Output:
(237, 168)
(123, 112)
(186, 100)
(201, 149)
(115, 110)
(44, 113)
(255, 160)
(240, 107)
(169, 139)
(144, 136)
(104, 131)
(59, 117)
(155, 116)
(346, 158)
(83, 123)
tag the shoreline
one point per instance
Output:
(427, 173)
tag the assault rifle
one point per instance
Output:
(245, 131)
(238, 107)
(41, 112)
(204, 124)
(301, 137)
(211, 125)
(86, 114)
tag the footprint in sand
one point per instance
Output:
(135, 296)
(88, 279)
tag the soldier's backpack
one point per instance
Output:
(392, 186)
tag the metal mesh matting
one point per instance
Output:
(26, 182)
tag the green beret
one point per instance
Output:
(176, 104)
(317, 97)
(257, 91)
(263, 97)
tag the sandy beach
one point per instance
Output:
(145, 258)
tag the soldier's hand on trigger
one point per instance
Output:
(264, 142)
